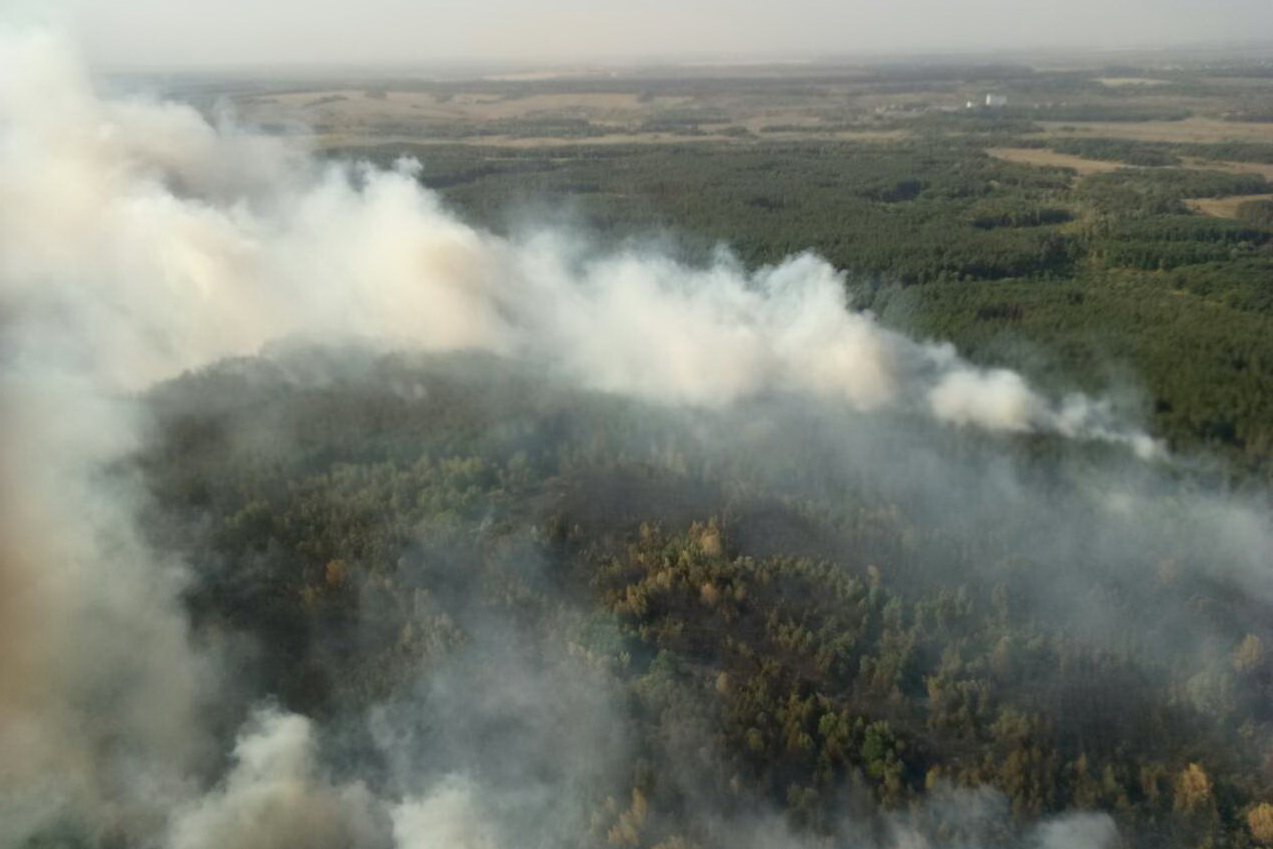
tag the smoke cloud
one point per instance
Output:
(164, 243)
(138, 242)
(272, 797)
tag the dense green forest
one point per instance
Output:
(1103, 282)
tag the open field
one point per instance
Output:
(1223, 207)
(1194, 129)
(379, 106)
(1167, 105)
(1262, 168)
(1119, 82)
(354, 139)
(1051, 159)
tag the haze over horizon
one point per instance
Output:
(383, 32)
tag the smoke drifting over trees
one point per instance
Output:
(331, 520)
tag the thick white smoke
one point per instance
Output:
(274, 798)
(450, 818)
(163, 243)
(137, 241)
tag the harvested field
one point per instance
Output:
(1189, 130)
(1120, 82)
(1051, 159)
(1223, 207)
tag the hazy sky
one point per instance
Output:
(392, 31)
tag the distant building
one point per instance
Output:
(996, 101)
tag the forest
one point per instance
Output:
(781, 626)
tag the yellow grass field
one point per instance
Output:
(1189, 130)
(1051, 159)
(1218, 207)
(1223, 207)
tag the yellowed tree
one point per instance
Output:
(335, 573)
(708, 594)
(1249, 654)
(627, 830)
(1192, 791)
(709, 538)
(1260, 820)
